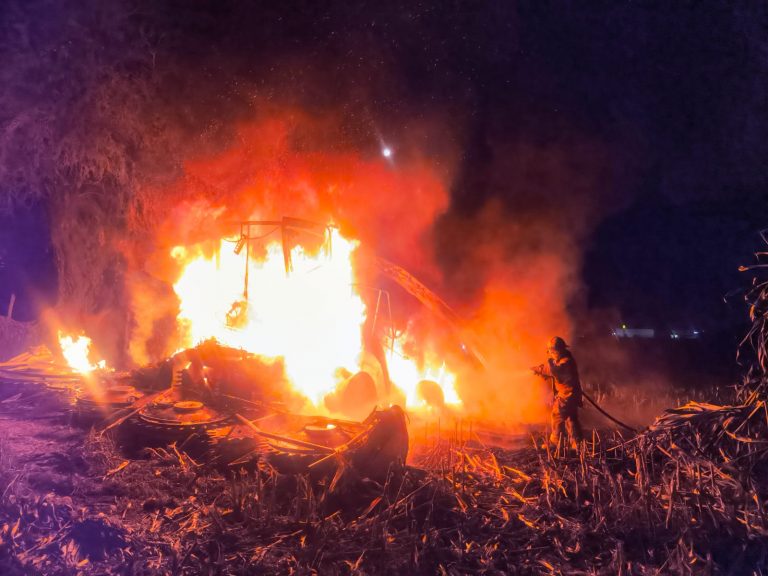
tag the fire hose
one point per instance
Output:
(604, 413)
(591, 401)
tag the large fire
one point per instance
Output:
(311, 315)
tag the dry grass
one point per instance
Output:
(687, 496)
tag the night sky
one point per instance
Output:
(663, 104)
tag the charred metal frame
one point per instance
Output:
(406, 280)
(285, 224)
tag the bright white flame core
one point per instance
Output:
(310, 317)
(76, 351)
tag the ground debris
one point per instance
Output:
(685, 496)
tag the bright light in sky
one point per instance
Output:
(386, 151)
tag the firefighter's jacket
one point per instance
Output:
(565, 375)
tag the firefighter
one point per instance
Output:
(561, 369)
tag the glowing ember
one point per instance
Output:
(76, 352)
(312, 317)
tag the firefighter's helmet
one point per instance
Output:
(558, 344)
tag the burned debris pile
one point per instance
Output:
(223, 404)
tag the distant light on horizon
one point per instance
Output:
(386, 151)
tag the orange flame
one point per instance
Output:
(407, 374)
(76, 351)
